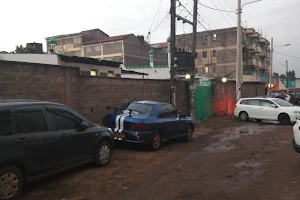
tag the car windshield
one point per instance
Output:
(140, 108)
(282, 103)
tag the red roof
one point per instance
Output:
(160, 45)
(278, 86)
(106, 39)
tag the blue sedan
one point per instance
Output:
(148, 122)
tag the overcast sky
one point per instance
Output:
(33, 20)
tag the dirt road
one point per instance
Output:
(226, 160)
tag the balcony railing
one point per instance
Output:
(252, 47)
(259, 49)
(255, 78)
(255, 35)
(262, 54)
(250, 30)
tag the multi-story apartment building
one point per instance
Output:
(216, 53)
(129, 49)
(71, 44)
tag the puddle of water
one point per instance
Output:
(233, 133)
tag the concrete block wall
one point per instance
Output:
(88, 95)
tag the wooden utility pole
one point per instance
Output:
(287, 74)
(192, 85)
(172, 52)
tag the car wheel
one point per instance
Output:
(284, 119)
(156, 142)
(189, 135)
(243, 116)
(11, 182)
(103, 154)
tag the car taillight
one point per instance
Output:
(234, 107)
(138, 127)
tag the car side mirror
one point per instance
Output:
(84, 125)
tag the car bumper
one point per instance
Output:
(296, 147)
(136, 137)
(296, 140)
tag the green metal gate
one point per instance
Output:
(203, 99)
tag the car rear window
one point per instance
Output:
(254, 102)
(244, 101)
(140, 108)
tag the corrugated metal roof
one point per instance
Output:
(160, 45)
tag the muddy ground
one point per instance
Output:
(226, 160)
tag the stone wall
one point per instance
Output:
(88, 95)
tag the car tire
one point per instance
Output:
(11, 181)
(103, 153)
(244, 116)
(189, 135)
(156, 142)
(284, 119)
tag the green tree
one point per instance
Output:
(26, 49)
(276, 75)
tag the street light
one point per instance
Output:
(187, 76)
(239, 67)
(224, 80)
(271, 60)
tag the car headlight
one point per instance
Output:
(296, 112)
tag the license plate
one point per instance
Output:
(119, 136)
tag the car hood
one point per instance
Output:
(291, 108)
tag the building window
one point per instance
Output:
(88, 49)
(117, 45)
(97, 48)
(110, 74)
(183, 42)
(214, 53)
(204, 54)
(77, 40)
(93, 72)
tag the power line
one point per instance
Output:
(210, 32)
(221, 13)
(207, 20)
(232, 11)
(160, 23)
(214, 8)
(286, 55)
(295, 39)
(158, 8)
(157, 19)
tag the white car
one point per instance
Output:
(272, 109)
(296, 140)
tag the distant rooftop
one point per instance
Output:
(55, 59)
(73, 34)
(160, 45)
(107, 39)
